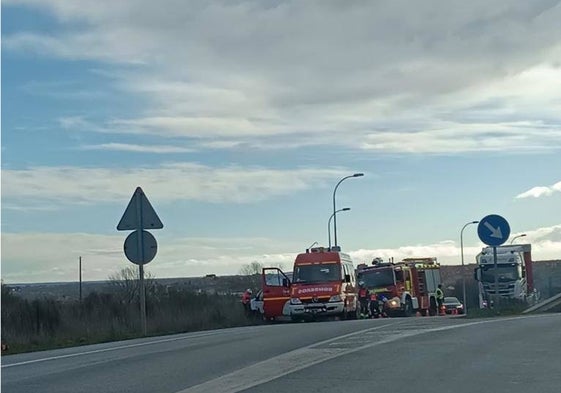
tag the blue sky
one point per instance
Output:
(238, 119)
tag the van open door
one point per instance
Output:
(276, 292)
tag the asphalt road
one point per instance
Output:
(437, 354)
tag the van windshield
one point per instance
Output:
(317, 273)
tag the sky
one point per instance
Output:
(238, 119)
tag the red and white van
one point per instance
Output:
(323, 283)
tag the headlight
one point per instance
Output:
(295, 300)
(394, 303)
(335, 298)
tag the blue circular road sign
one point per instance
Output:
(143, 250)
(493, 230)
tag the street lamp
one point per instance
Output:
(335, 209)
(516, 237)
(463, 273)
(329, 223)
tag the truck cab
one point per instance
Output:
(406, 286)
(513, 273)
(322, 284)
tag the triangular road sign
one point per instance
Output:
(139, 214)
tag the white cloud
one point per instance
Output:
(103, 255)
(398, 77)
(171, 182)
(159, 149)
(190, 257)
(540, 191)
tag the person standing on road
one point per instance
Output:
(374, 306)
(439, 298)
(246, 301)
(363, 299)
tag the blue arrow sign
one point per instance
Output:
(493, 230)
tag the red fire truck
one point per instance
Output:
(408, 286)
(323, 284)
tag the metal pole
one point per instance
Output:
(463, 273)
(80, 275)
(329, 224)
(335, 208)
(496, 300)
(516, 237)
(329, 230)
(142, 299)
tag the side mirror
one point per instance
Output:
(285, 283)
(347, 278)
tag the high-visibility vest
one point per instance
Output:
(439, 293)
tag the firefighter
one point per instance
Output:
(439, 298)
(363, 299)
(374, 306)
(246, 301)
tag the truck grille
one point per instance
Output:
(315, 300)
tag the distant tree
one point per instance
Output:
(126, 283)
(251, 269)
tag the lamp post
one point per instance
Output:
(329, 224)
(516, 237)
(335, 209)
(462, 253)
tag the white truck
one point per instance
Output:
(514, 274)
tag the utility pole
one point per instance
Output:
(80, 275)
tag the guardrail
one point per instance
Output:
(547, 304)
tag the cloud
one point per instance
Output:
(398, 77)
(540, 191)
(159, 149)
(198, 256)
(546, 245)
(166, 183)
(103, 255)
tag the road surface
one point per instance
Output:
(439, 354)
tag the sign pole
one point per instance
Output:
(494, 230)
(496, 270)
(142, 299)
(140, 246)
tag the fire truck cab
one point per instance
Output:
(405, 287)
(322, 284)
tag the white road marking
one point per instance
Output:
(71, 355)
(302, 358)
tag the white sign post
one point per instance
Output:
(140, 246)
